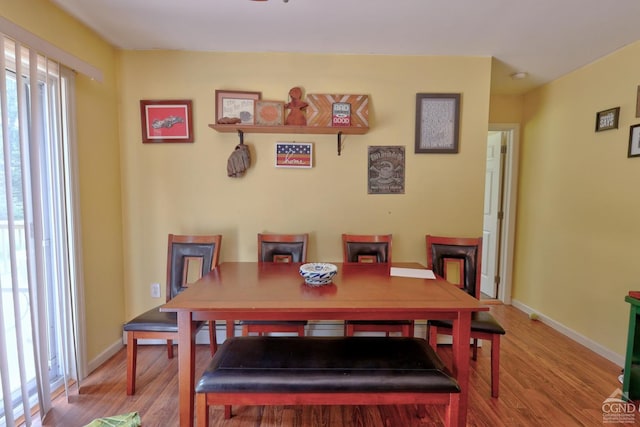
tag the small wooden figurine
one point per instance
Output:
(296, 117)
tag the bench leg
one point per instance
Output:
(451, 415)
(202, 410)
(227, 412)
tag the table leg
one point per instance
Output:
(186, 367)
(461, 339)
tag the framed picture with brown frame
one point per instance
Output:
(607, 119)
(166, 121)
(634, 141)
(232, 104)
(437, 122)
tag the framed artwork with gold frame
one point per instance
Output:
(269, 113)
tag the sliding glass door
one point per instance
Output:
(37, 270)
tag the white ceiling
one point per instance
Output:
(545, 38)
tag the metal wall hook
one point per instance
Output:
(241, 136)
(339, 142)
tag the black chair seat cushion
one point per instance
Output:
(326, 364)
(155, 320)
(273, 322)
(481, 321)
(378, 322)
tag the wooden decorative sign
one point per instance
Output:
(320, 109)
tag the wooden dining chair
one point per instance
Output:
(459, 260)
(279, 248)
(373, 248)
(188, 259)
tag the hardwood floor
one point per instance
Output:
(545, 380)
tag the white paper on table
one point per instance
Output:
(418, 273)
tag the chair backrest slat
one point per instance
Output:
(366, 248)
(282, 247)
(188, 259)
(465, 252)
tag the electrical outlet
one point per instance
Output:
(155, 290)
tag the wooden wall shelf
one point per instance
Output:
(317, 130)
(347, 130)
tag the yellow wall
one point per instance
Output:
(99, 164)
(506, 108)
(577, 228)
(183, 188)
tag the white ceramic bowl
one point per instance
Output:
(318, 273)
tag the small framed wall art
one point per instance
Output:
(607, 119)
(437, 122)
(294, 155)
(166, 121)
(634, 141)
(269, 113)
(385, 170)
(236, 105)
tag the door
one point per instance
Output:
(491, 224)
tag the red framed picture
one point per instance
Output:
(166, 121)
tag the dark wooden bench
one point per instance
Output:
(325, 371)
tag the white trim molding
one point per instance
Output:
(42, 46)
(616, 358)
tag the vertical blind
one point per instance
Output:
(39, 278)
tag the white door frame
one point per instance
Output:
(510, 190)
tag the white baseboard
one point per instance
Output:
(104, 356)
(616, 358)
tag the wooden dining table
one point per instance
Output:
(276, 291)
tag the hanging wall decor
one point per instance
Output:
(294, 155)
(607, 119)
(386, 170)
(166, 121)
(634, 141)
(437, 122)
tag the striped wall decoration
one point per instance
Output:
(319, 111)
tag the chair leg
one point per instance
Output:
(230, 328)
(495, 365)
(432, 336)
(132, 353)
(348, 330)
(407, 330)
(213, 339)
(474, 355)
(170, 349)
(202, 410)
(301, 330)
